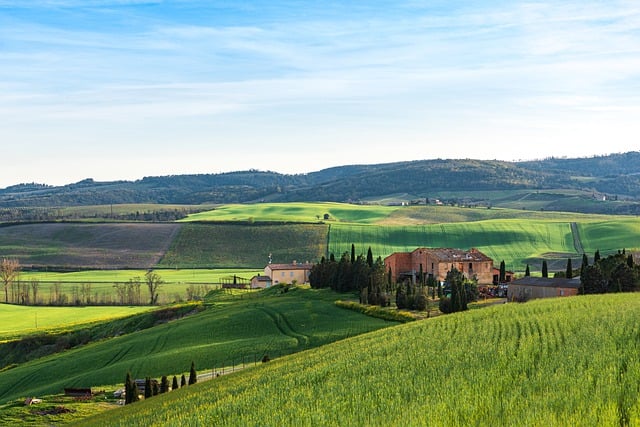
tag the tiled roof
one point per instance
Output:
(454, 255)
(297, 266)
(548, 282)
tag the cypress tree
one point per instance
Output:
(193, 376)
(569, 273)
(545, 272)
(183, 381)
(148, 391)
(369, 258)
(503, 272)
(130, 389)
(155, 388)
(353, 253)
(164, 384)
(596, 256)
(585, 264)
(127, 389)
(527, 272)
(630, 261)
(174, 384)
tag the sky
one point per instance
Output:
(122, 89)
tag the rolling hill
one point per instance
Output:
(243, 236)
(574, 184)
(565, 361)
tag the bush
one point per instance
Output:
(445, 305)
(379, 312)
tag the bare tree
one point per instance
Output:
(9, 269)
(153, 281)
(85, 290)
(35, 285)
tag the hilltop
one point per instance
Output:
(554, 184)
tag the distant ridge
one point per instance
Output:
(613, 176)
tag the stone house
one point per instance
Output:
(437, 262)
(288, 273)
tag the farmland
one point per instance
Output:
(102, 283)
(243, 236)
(244, 246)
(567, 361)
(237, 325)
(18, 321)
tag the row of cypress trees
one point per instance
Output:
(152, 388)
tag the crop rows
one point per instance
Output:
(570, 361)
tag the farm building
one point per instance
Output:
(508, 276)
(260, 282)
(437, 262)
(288, 273)
(542, 287)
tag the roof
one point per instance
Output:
(548, 282)
(260, 278)
(454, 255)
(295, 266)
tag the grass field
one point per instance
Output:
(556, 362)
(516, 236)
(102, 281)
(242, 246)
(512, 241)
(377, 214)
(237, 325)
(296, 212)
(113, 245)
(18, 321)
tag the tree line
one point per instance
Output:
(152, 388)
(127, 293)
(615, 273)
(375, 286)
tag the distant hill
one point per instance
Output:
(614, 177)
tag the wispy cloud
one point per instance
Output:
(408, 71)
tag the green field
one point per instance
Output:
(244, 246)
(18, 321)
(556, 362)
(296, 212)
(236, 325)
(107, 245)
(102, 282)
(517, 242)
(376, 214)
(516, 236)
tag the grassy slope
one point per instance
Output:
(241, 246)
(17, 321)
(246, 325)
(296, 212)
(123, 245)
(567, 361)
(516, 236)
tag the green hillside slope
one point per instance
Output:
(236, 326)
(561, 362)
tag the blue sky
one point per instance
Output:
(123, 89)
